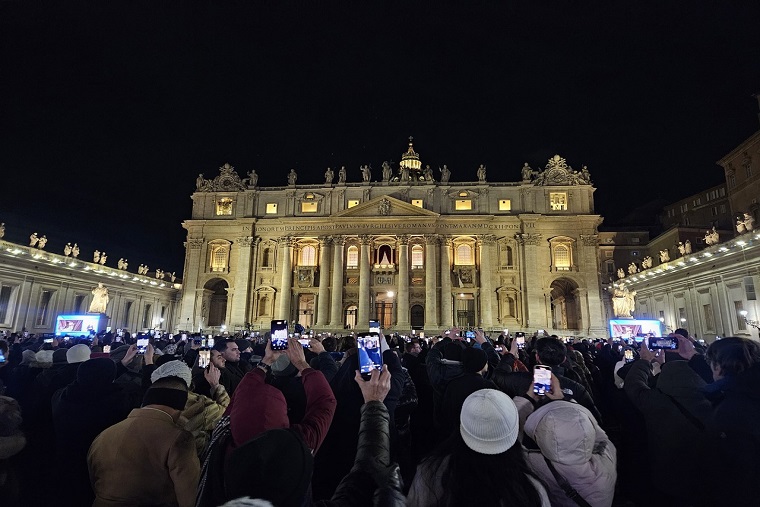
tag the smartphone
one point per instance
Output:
(628, 355)
(542, 379)
(447, 332)
(663, 342)
(26, 334)
(469, 335)
(305, 342)
(374, 326)
(48, 340)
(498, 348)
(184, 336)
(106, 349)
(369, 352)
(279, 334)
(204, 358)
(142, 345)
(520, 337)
(2, 357)
(203, 342)
(210, 342)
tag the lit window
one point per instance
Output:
(352, 257)
(271, 208)
(558, 201)
(224, 206)
(418, 257)
(562, 257)
(463, 255)
(308, 207)
(463, 204)
(462, 194)
(353, 202)
(505, 204)
(308, 256)
(417, 202)
(218, 256)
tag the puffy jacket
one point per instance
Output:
(578, 448)
(201, 414)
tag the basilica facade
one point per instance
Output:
(409, 248)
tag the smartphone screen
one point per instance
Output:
(628, 354)
(142, 345)
(369, 352)
(210, 342)
(498, 348)
(305, 342)
(184, 336)
(106, 349)
(520, 337)
(542, 380)
(204, 358)
(374, 326)
(469, 334)
(665, 343)
(279, 334)
(2, 357)
(48, 340)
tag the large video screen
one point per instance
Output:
(631, 328)
(76, 325)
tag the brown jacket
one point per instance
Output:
(144, 460)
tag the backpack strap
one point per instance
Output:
(571, 493)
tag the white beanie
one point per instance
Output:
(78, 354)
(489, 422)
(44, 356)
(173, 369)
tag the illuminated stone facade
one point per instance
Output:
(408, 251)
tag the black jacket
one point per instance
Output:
(457, 391)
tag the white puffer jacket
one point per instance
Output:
(579, 449)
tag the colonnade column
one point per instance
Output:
(487, 295)
(336, 294)
(447, 309)
(534, 296)
(363, 313)
(402, 301)
(286, 268)
(323, 302)
(431, 300)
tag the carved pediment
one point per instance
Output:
(227, 181)
(385, 206)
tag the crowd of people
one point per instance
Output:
(447, 421)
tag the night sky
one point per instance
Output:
(109, 110)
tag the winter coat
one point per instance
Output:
(674, 410)
(201, 414)
(736, 440)
(144, 460)
(457, 391)
(570, 438)
(80, 413)
(441, 371)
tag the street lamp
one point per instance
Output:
(751, 323)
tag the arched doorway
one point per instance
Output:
(565, 306)
(418, 317)
(215, 302)
(350, 317)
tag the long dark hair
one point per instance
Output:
(472, 478)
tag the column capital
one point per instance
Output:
(325, 240)
(528, 238)
(447, 240)
(194, 243)
(338, 240)
(365, 239)
(403, 239)
(486, 239)
(245, 241)
(431, 239)
(590, 239)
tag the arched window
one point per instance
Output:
(266, 258)
(463, 255)
(264, 306)
(418, 257)
(308, 256)
(219, 256)
(352, 257)
(507, 256)
(562, 259)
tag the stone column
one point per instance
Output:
(447, 308)
(431, 299)
(363, 313)
(336, 294)
(534, 303)
(323, 299)
(487, 294)
(239, 293)
(402, 300)
(286, 270)
(189, 319)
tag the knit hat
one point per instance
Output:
(44, 356)
(173, 369)
(242, 344)
(59, 356)
(474, 359)
(489, 423)
(28, 356)
(78, 353)
(96, 372)
(452, 351)
(276, 466)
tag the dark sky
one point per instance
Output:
(109, 110)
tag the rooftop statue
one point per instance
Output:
(329, 176)
(366, 173)
(292, 177)
(33, 239)
(342, 175)
(42, 242)
(387, 172)
(664, 256)
(482, 173)
(75, 251)
(712, 237)
(445, 174)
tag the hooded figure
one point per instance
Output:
(569, 437)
